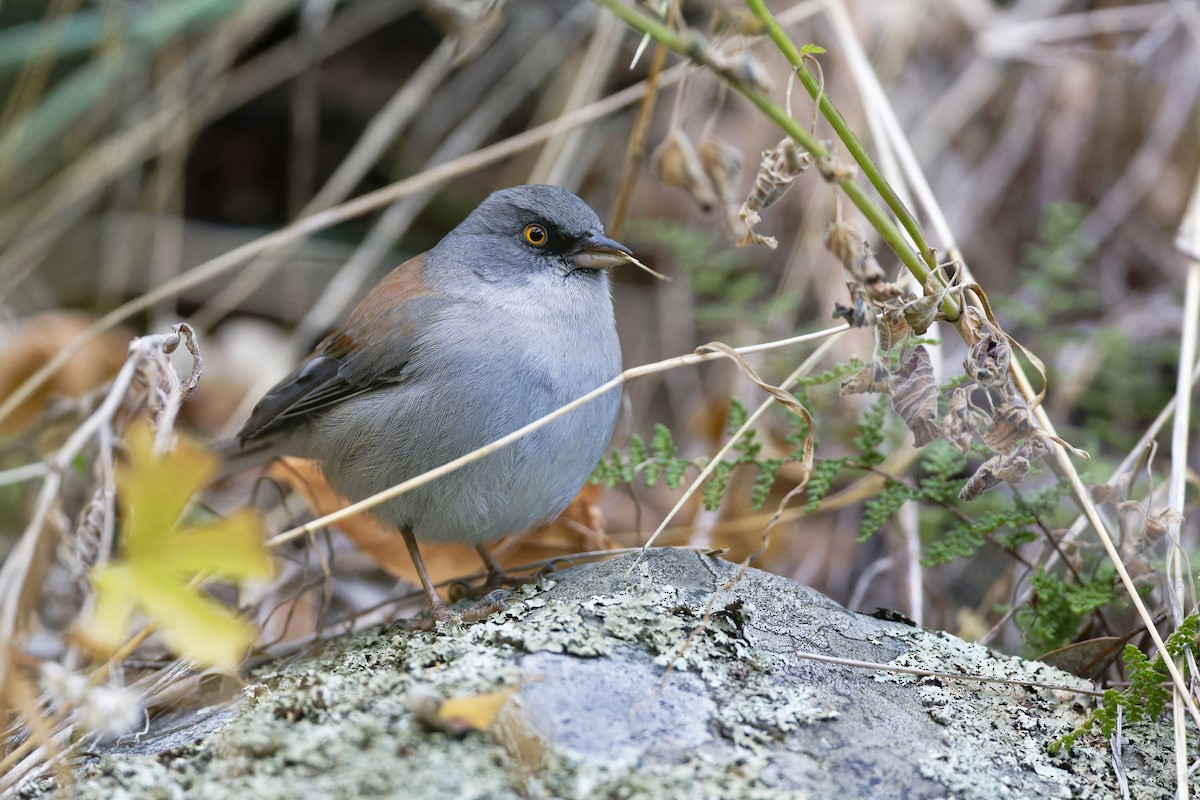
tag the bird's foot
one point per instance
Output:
(497, 579)
(439, 614)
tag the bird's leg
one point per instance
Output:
(492, 602)
(497, 576)
(436, 607)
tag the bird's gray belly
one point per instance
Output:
(435, 418)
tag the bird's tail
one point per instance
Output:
(236, 459)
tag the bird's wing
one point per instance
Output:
(371, 349)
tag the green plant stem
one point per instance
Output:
(843, 130)
(694, 47)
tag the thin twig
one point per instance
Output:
(433, 474)
(950, 676)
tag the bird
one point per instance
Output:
(507, 318)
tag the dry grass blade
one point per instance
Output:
(629, 374)
(361, 205)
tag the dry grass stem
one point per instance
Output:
(636, 372)
(950, 676)
(363, 204)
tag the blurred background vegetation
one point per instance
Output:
(139, 140)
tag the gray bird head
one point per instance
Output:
(533, 230)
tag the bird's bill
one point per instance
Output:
(599, 252)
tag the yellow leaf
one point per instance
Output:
(193, 625)
(161, 555)
(476, 712)
(229, 547)
(115, 600)
(156, 488)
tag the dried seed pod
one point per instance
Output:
(777, 171)
(722, 164)
(747, 219)
(679, 167)
(833, 169)
(1011, 423)
(471, 23)
(79, 549)
(741, 67)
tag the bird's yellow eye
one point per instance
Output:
(536, 235)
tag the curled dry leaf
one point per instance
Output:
(860, 313)
(963, 420)
(873, 378)
(679, 167)
(914, 396)
(722, 164)
(785, 398)
(1159, 521)
(777, 171)
(843, 240)
(1011, 423)
(989, 358)
(893, 327)
(1091, 657)
(1010, 468)
(922, 312)
(849, 247)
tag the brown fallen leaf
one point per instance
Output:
(450, 560)
(30, 343)
(1090, 658)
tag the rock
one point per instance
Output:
(640, 678)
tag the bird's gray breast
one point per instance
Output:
(483, 370)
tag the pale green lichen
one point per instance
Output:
(1019, 722)
(644, 679)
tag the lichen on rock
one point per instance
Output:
(636, 677)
